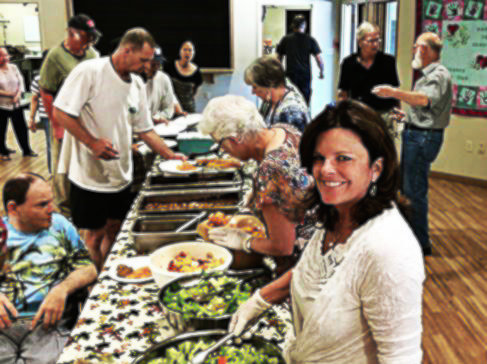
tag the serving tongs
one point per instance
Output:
(207, 297)
(193, 221)
(200, 357)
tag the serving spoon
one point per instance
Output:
(200, 358)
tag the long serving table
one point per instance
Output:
(121, 321)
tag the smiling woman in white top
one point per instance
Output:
(356, 292)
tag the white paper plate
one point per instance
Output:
(134, 263)
(144, 149)
(171, 129)
(171, 166)
(171, 143)
(192, 119)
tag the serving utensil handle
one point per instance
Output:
(202, 355)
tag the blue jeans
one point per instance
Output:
(419, 150)
(45, 125)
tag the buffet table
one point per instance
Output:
(121, 321)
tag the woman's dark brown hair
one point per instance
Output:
(372, 131)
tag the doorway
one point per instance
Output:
(276, 18)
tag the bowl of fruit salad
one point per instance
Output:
(180, 259)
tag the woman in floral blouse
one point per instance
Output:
(282, 102)
(282, 190)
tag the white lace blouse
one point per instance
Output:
(361, 302)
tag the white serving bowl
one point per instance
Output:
(160, 258)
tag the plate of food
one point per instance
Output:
(131, 270)
(220, 164)
(248, 223)
(179, 167)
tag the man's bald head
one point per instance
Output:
(433, 41)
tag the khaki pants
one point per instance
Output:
(60, 182)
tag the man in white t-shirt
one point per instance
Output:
(160, 93)
(101, 104)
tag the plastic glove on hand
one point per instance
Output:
(249, 310)
(229, 237)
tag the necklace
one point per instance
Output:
(183, 66)
(337, 238)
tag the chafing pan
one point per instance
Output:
(164, 181)
(229, 196)
(152, 232)
(159, 350)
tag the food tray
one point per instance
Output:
(179, 323)
(190, 200)
(153, 231)
(150, 232)
(167, 181)
(159, 350)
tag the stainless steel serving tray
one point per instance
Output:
(153, 231)
(159, 350)
(230, 194)
(217, 179)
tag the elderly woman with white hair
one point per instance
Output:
(282, 190)
(362, 71)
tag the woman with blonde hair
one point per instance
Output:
(11, 88)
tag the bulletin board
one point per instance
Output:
(462, 25)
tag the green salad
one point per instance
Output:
(246, 353)
(212, 296)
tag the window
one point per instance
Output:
(381, 13)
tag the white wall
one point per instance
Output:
(52, 20)
(16, 15)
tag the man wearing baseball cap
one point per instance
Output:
(76, 48)
(160, 93)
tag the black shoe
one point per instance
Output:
(11, 151)
(30, 154)
(5, 157)
(427, 251)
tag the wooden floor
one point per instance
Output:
(455, 293)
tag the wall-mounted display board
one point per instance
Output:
(206, 23)
(462, 25)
